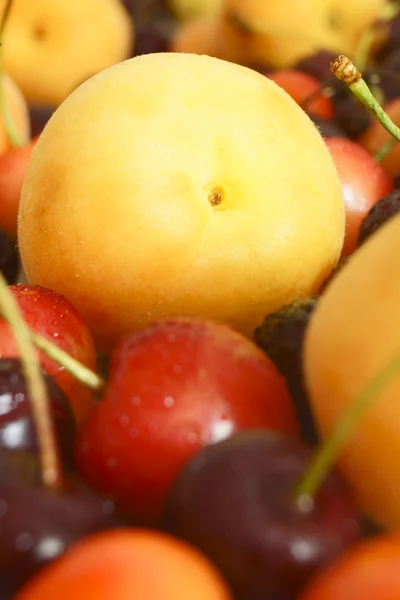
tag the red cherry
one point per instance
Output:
(13, 166)
(364, 182)
(175, 387)
(53, 317)
(300, 86)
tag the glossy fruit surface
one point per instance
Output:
(174, 388)
(236, 502)
(38, 524)
(53, 317)
(369, 570)
(351, 337)
(216, 216)
(17, 429)
(364, 182)
(138, 564)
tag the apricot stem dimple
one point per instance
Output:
(216, 196)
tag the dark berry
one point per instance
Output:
(382, 211)
(281, 337)
(150, 38)
(39, 115)
(236, 502)
(9, 258)
(17, 429)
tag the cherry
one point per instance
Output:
(301, 86)
(53, 317)
(17, 431)
(175, 387)
(363, 181)
(13, 166)
(236, 502)
(9, 258)
(37, 524)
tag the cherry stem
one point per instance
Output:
(345, 71)
(48, 451)
(12, 132)
(70, 364)
(325, 457)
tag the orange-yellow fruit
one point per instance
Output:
(294, 29)
(198, 36)
(51, 46)
(179, 184)
(125, 565)
(353, 333)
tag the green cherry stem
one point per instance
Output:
(48, 452)
(12, 132)
(345, 71)
(70, 364)
(325, 457)
(384, 150)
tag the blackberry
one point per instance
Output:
(382, 211)
(281, 337)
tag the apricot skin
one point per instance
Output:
(117, 210)
(353, 334)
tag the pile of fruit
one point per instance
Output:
(199, 290)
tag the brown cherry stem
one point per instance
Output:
(345, 71)
(51, 471)
(12, 132)
(325, 457)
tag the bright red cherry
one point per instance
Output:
(53, 317)
(301, 86)
(176, 386)
(364, 182)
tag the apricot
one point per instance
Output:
(294, 30)
(51, 46)
(353, 333)
(179, 184)
(376, 136)
(125, 564)
(187, 10)
(198, 36)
